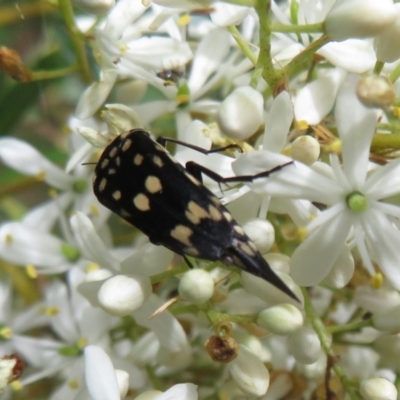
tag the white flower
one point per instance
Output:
(249, 373)
(281, 319)
(121, 50)
(241, 113)
(378, 389)
(354, 198)
(305, 346)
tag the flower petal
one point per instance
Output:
(315, 100)
(384, 240)
(314, 258)
(277, 123)
(100, 376)
(356, 126)
(26, 159)
(293, 181)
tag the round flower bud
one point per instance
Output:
(149, 395)
(95, 7)
(278, 262)
(123, 382)
(359, 18)
(282, 319)
(196, 286)
(386, 44)
(378, 389)
(305, 149)
(305, 346)
(122, 294)
(249, 373)
(241, 113)
(375, 91)
(261, 232)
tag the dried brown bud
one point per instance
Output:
(12, 65)
(221, 349)
(18, 366)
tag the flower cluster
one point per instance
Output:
(305, 88)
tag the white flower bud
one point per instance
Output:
(122, 294)
(305, 149)
(95, 7)
(196, 286)
(378, 389)
(149, 395)
(376, 91)
(387, 319)
(261, 232)
(305, 346)
(250, 341)
(386, 44)
(123, 382)
(359, 18)
(282, 319)
(241, 113)
(249, 373)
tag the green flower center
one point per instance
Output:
(70, 253)
(80, 186)
(357, 202)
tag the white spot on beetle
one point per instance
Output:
(182, 234)
(153, 184)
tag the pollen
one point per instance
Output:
(153, 184)
(182, 234)
(141, 202)
(31, 271)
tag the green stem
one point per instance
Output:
(57, 73)
(216, 317)
(274, 79)
(79, 46)
(323, 336)
(395, 74)
(378, 67)
(301, 61)
(168, 274)
(384, 141)
(355, 326)
(312, 28)
(244, 3)
(242, 44)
